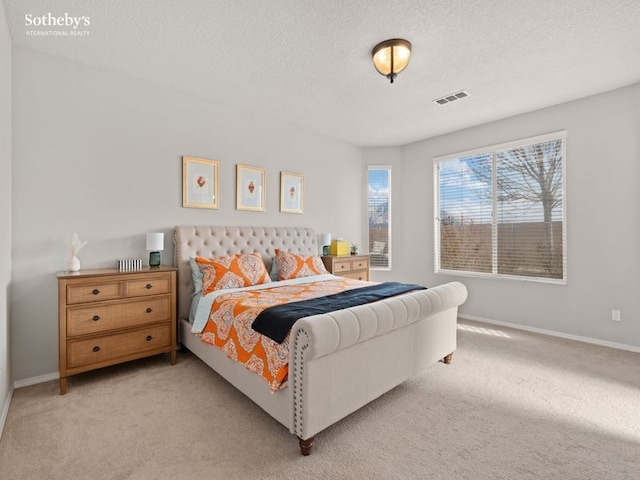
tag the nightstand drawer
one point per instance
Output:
(341, 265)
(360, 264)
(360, 275)
(106, 348)
(92, 292)
(149, 286)
(99, 318)
(354, 266)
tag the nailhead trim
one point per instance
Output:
(300, 345)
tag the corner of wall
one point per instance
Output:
(6, 156)
(5, 410)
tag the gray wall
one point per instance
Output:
(5, 209)
(100, 154)
(603, 225)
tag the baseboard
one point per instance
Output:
(35, 380)
(553, 333)
(5, 410)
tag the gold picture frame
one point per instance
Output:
(291, 192)
(250, 188)
(200, 183)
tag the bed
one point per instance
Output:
(338, 361)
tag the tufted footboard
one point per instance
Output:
(342, 360)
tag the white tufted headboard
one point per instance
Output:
(215, 241)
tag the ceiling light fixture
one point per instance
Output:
(391, 57)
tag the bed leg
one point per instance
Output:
(447, 358)
(305, 445)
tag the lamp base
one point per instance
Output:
(325, 250)
(154, 259)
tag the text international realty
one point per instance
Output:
(57, 33)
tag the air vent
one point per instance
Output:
(451, 98)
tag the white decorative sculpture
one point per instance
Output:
(74, 245)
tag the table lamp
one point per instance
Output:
(155, 244)
(325, 243)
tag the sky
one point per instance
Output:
(465, 196)
(378, 181)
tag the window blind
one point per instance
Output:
(379, 214)
(500, 211)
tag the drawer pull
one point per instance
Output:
(96, 318)
(149, 310)
(148, 286)
(95, 291)
(149, 338)
(96, 348)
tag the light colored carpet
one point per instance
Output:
(512, 405)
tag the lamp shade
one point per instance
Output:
(391, 57)
(325, 242)
(325, 239)
(155, 242)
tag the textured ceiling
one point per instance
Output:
(309, 62)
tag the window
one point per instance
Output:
(500, 211)
(379, 211)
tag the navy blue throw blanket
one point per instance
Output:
(275, 322)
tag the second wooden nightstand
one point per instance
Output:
(352, 266)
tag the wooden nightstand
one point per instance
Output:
(107, 317)
(352, 266)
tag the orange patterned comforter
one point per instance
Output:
(229, 325)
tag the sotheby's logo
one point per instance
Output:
(57, 25)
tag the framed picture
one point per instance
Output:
(199, 183)
(291, 192)
(250, 188)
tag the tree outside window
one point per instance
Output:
(500, 211)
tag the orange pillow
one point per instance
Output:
(234, 271)
(293, 265)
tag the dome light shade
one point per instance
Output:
(391, 57)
